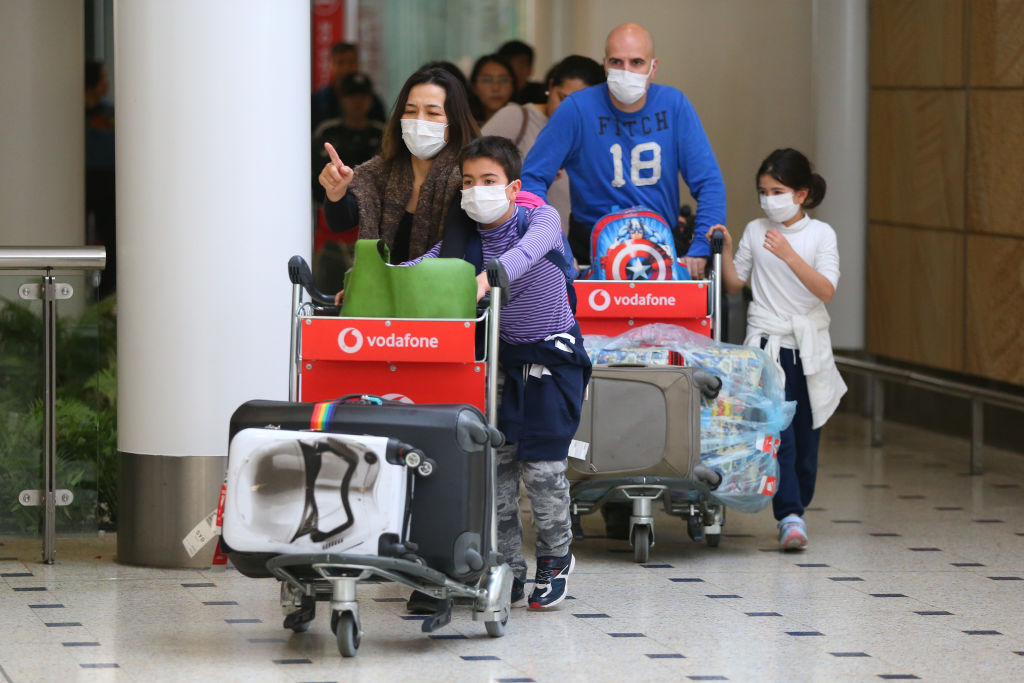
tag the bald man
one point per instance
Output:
(625, 143)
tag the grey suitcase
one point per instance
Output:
(642, 420)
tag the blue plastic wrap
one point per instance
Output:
(740, 430)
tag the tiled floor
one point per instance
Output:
(915, 571)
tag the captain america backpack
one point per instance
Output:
(634, 244)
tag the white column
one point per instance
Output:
(212, 198)
(840, 96)
(42, 123)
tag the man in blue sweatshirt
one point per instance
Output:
(625, 143)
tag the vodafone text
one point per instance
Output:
(351, 340)
(600, 299)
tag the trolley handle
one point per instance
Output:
(717, 241)
(300, 274)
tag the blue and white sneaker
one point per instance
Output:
(518, 593)
(792, 533)
(549, 589)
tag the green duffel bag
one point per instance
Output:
(433, 288)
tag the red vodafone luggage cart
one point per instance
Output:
(417, 382)
(612, 307)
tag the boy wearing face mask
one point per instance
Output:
(625, 143)
(792, 264)
(544, 367)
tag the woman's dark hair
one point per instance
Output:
(475, 105)
(575, 66)
(792, 169)
(461, 126)
(450, 68)
(499, 149)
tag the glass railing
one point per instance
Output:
(58, 439)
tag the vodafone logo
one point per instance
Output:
(599, 299)
(357, 340)
(401, 398)
(351, 340)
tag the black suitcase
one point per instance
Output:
(450, 509)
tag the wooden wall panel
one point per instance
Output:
(995, 307)
(917, 43)
(915, 295)
(916, 157)
(995, 174)
(997, 43)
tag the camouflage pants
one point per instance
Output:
(548, 491)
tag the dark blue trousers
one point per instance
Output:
(798, 453)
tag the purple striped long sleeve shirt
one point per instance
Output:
(537, 306)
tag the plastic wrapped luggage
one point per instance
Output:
(740, 429)
(448, 510)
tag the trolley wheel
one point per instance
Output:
(616, 520)
(347, 631)
(577, 526)
(713, 540)
(301, 626)
(641, 543)
(496, 629)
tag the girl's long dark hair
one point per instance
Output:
(792, 169)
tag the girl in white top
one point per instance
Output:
(791, 262)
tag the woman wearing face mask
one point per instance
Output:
(792, 264)
(522, 123)
(491, 86)
(403, 194)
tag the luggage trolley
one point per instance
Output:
(387, 360)
(612, 307)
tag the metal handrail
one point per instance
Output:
(46, 260)
(978, 396)
(53, 258)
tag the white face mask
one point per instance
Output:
(779, 207)
(485, 203)
(423, 138)
(626, 86)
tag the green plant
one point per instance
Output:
(86, 414)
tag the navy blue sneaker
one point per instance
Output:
(518, 593)
(550, 587)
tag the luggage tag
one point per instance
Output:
(578, 449)
(200, 535)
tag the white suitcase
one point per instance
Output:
(292, 492)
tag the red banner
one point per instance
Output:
(369, 339)
(327, 28)
(614, 306)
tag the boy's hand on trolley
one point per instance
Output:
(482, 286)
(336, 175)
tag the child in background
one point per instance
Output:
(544, 368)
(791, 262)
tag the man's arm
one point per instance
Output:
(555, 143)
(702, 176)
